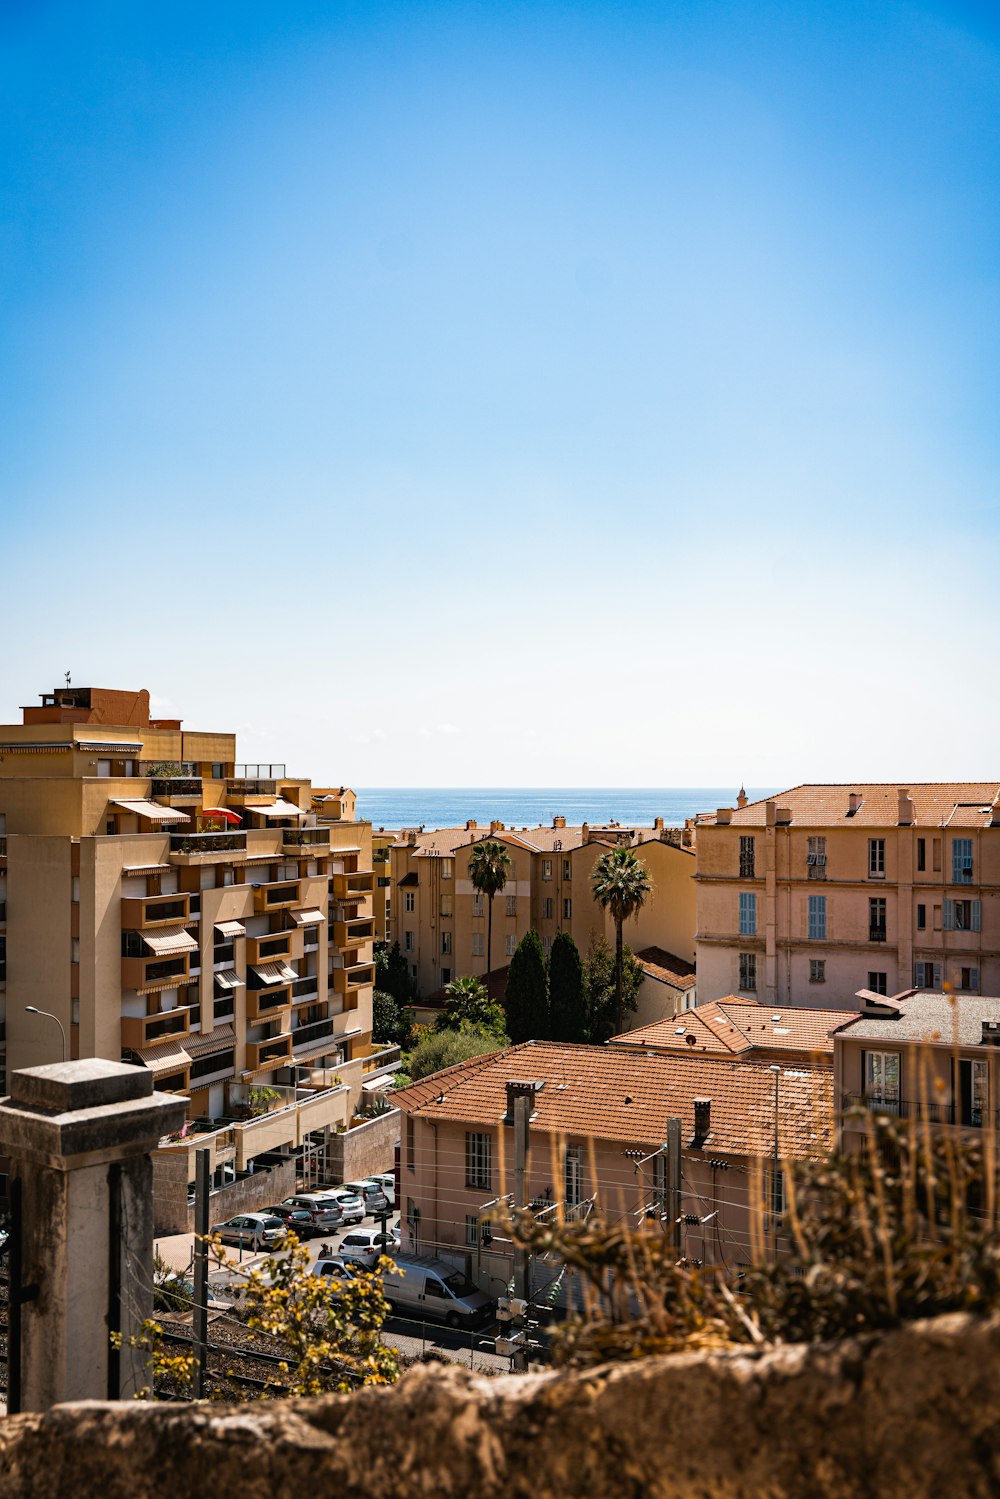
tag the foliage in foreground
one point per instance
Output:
(904, 1230)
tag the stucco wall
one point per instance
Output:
(367, 1148)
(171, 1213)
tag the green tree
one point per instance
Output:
(385, 1017)
(392, 974)
(600, 975)
(567, 991)
(489, 863)
(528, 992)
(620, 884)
(439, 1049)
(469, 1003)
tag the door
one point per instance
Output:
(882, 1080)
(972, 1092)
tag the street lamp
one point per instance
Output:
(33, 1010)
(774, 1180)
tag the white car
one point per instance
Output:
(351, 1204)
(251, 1230)
(364, 1246)
(387, 1181)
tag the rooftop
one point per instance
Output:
(925, 1015)
(667, 967)
(735, 1027)
(612, 1093)
(935, 804)
(438, 842)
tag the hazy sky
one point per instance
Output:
(509, 393)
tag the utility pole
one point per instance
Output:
(774, 1178)
(201, 1269)
(673, 1153)
(522, 1116)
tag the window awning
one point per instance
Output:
(153, 811)
(278, 808)
(109, 746)
(275, 973)
(231, 929)
(169, 940)
(312, 917)
(409, 879)
(165, 1056)
(377, 1084)
(229, 979)
(223, 1038)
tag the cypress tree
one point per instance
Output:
(567, 1000)
(527, 998)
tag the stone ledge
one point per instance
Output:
(914, 1412)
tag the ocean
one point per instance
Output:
(525, 807)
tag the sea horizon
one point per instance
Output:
(530, 806)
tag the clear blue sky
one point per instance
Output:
(509, 394)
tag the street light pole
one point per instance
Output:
(33, 1010)
(774, 1178)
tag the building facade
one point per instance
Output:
(440, 921)
(824, 890)
(209, 920)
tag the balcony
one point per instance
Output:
(224, 1009)
(139, 913)
(307, 1035)
(354, 930)
(176, 789)
(969, 1117)
(270, 1053)
(262, 1004)
(204, 848)
(305, 840)
(305, 989)
(356, 976)
(348, 887)
(269, 949)
(276, 897)
(154, 972)
(877, 932)
(144, 1030)
(272, 772)
(238, 789)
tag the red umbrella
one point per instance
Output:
(221, 812)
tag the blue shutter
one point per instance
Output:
(937, 975)
(948, 921)
(977, 915)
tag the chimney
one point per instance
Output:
(657, 824)
(853, 803)
(472, 823)
(521, 1088)
(585, 833)
(723, 816)
(687, 839)
(702, 1120)
(741, 799)
(991, 1033)
(496, 826)
(783, 815)
(558, 822)
(411, 839)
(905, 817)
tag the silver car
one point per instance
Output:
(372, 1194)
(351, 1204)
(251, 1230)
(324, 1212)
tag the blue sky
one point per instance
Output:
(526, 394)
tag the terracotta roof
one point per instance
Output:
(737, 1026)
(936, 803)
(667, 967)
(542, 839)
(613, 1093)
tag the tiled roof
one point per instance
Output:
(613, 1093)
(667, 967)
(542, 839)
(935, 804)
(736, 1026)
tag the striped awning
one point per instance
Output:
(275, 973)
(165, 1056)
(229, 979)
(278, 808)
(169, 940)
(223, 1038)
(231, 929)
(312, 917)
(152, 810)
(107, 747)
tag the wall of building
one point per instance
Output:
(366, 1149)
(171, 1213)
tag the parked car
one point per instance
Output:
(387, 1181)
(334, 1268)
(371, 1191)
(251, 1230)
(325, 1212)
(429, 1287)
(352, 1204)
(396, 1229)
(296, 1220)
(365, 1245)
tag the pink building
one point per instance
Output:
(746, 1030)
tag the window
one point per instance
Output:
(479, 1161)
(446, 907)
(407, 941)
(546, 869)
(445, 976)
(748, 971)
(748, 845)
(409, 901)
(973, 1086)
(878, 983)
(876, 858)
(111, 827)
(550, 908)
(471, 1230)
(512, 905)
(447, 868)
(962, 915)
(478, 904)
(961, 861)
(921, 918)
(817, 918)
(816, 857)
(921, 853)
(567, 909)
(382, 881)
(927, 975)
(104, 768)
(445, 942)
(567, 869)
(969, 980)
(218, 771)
(817, 970)
(748, 913)
(881, 1074)
(936, 846)
(573, 1172)
(511, 945)
(478, 947)
(877, 919)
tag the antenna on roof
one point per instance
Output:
(67, 676)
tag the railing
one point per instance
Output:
(306, 988)
(177, 786)
(238, 786)
(916, 1108)
(258, 772)
(225, 1009)
(207, 843)
(315, 1032)
(305, 837)
(877, 933)
(168, 769)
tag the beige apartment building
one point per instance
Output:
(440, 921)
(809, 896)
(209, 920)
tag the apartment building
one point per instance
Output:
(599, 1120)
(167, 905)
(440, 921)
(745, 1030)
(821, 891)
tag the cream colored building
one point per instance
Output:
(823, 890)
(440, 921)
(207, 919)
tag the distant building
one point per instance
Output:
(440, 922)
(823, 890)
(744, 1030)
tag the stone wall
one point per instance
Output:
(173, 1215)
(914, 1412)
(367, 1148)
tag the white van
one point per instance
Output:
(430, 1288)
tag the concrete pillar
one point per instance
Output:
(79, 1137)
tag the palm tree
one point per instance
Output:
(489, 862)
(620, 885)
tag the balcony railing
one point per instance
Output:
(207, 843)
(305, 988)
(276, 1049)
(269, 949)
(139, 912)
(306, 1034)
(137, 973)
(143, 1030)
(296, 838)
(347, 979)
(176, 786)
(877, 933)
(164, 770)
(917, 1108)
(351, 887)
(264, 1003)
(224, 1009)
(274, 897)
(259, 772)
